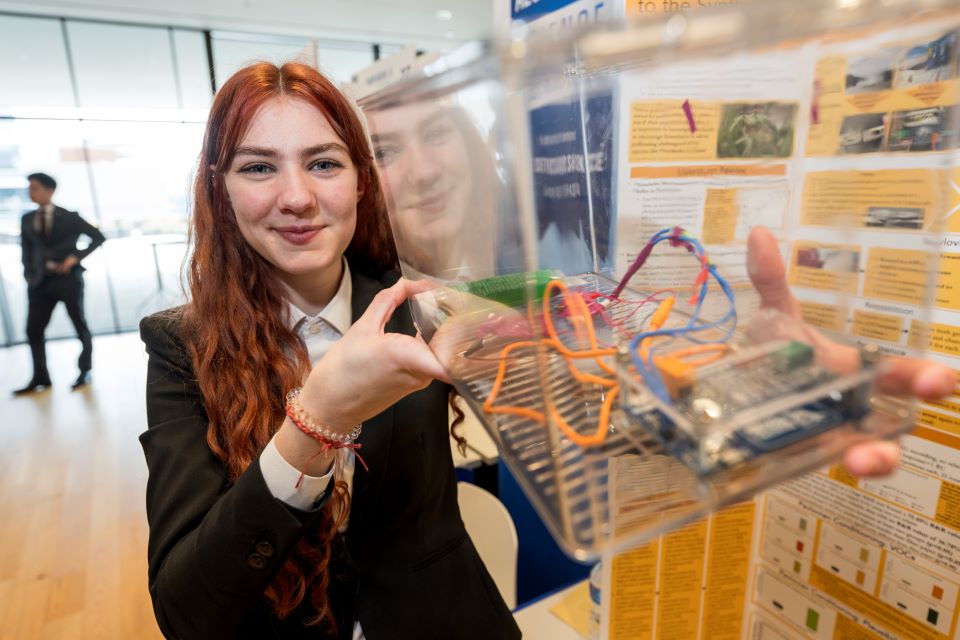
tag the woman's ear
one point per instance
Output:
(362, 187)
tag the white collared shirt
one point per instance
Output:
(319, 333)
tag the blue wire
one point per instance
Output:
(646, 369)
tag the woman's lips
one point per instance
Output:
(433, 205)
(298, 235)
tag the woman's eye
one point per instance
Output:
(326, 165)
(436, 135)
(384, 155)
(256, 168)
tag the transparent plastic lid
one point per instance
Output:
(663, 262)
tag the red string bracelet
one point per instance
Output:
(327, 438)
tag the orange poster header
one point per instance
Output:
(709, 170)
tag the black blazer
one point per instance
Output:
(405, 567)
(61, 242)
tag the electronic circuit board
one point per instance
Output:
(751, 403)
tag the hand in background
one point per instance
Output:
(898, 376)
(69, 263)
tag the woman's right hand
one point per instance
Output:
(369, 369)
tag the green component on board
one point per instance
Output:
(793, 356)
(509, 289)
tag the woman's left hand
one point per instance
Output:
(898, 376)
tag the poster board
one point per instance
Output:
(866, 126)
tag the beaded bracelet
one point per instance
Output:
(329, 439)
(316, 431)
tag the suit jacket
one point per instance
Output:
(405, 568)
(61, 242)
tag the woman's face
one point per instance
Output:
(294, 189)
(425, 171)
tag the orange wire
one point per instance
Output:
(718, 350)
(586, 318)
(603, 422)
(657, 320)
(582, 320)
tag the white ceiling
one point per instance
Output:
(388, 21)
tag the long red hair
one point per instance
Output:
(244, 353)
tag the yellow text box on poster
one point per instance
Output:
(832, 267)
(939, 421)
(825, 316)
(847, 629)
(834, 104)
(935, 94)
(660, 131)
(899, 200)
(720, 216)
(944, 338)
(948, 504)
(823, 138)
(933, 435)
(946, 403)
(947, 292)
(877, 326)
(681, 574)
(728, 563)
(840, 473)
(633, 586)
(901, 275)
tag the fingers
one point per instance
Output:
(768, 274)
(381, 309)
(901, 376)
(415, 356)
(910, 376)
(872, 458)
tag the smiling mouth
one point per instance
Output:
(298, 234)
(434, 204)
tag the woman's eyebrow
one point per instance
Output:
(266, 152)
(256, 151)
(323, 148)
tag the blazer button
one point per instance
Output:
(265, 549)
(256, 561)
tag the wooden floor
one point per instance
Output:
(73, 528)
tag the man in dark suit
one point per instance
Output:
(51, 266)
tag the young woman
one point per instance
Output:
(443, 193)
(263, 524)
(257, 530)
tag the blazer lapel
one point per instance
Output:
(34, 221)
(376, 435)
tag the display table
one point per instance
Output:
(537, 622)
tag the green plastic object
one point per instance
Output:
(794, 355)
(509, 289)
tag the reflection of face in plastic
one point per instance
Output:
(426, 171)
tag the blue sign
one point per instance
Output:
(528, 10)
(563, 167)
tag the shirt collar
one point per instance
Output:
(337, 312)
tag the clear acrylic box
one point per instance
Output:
(575, 215)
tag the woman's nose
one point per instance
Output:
(295, 195)
(423, 166)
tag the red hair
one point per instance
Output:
(245, 356)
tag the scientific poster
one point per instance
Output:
(843, 149)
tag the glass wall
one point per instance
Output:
(115, 112)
